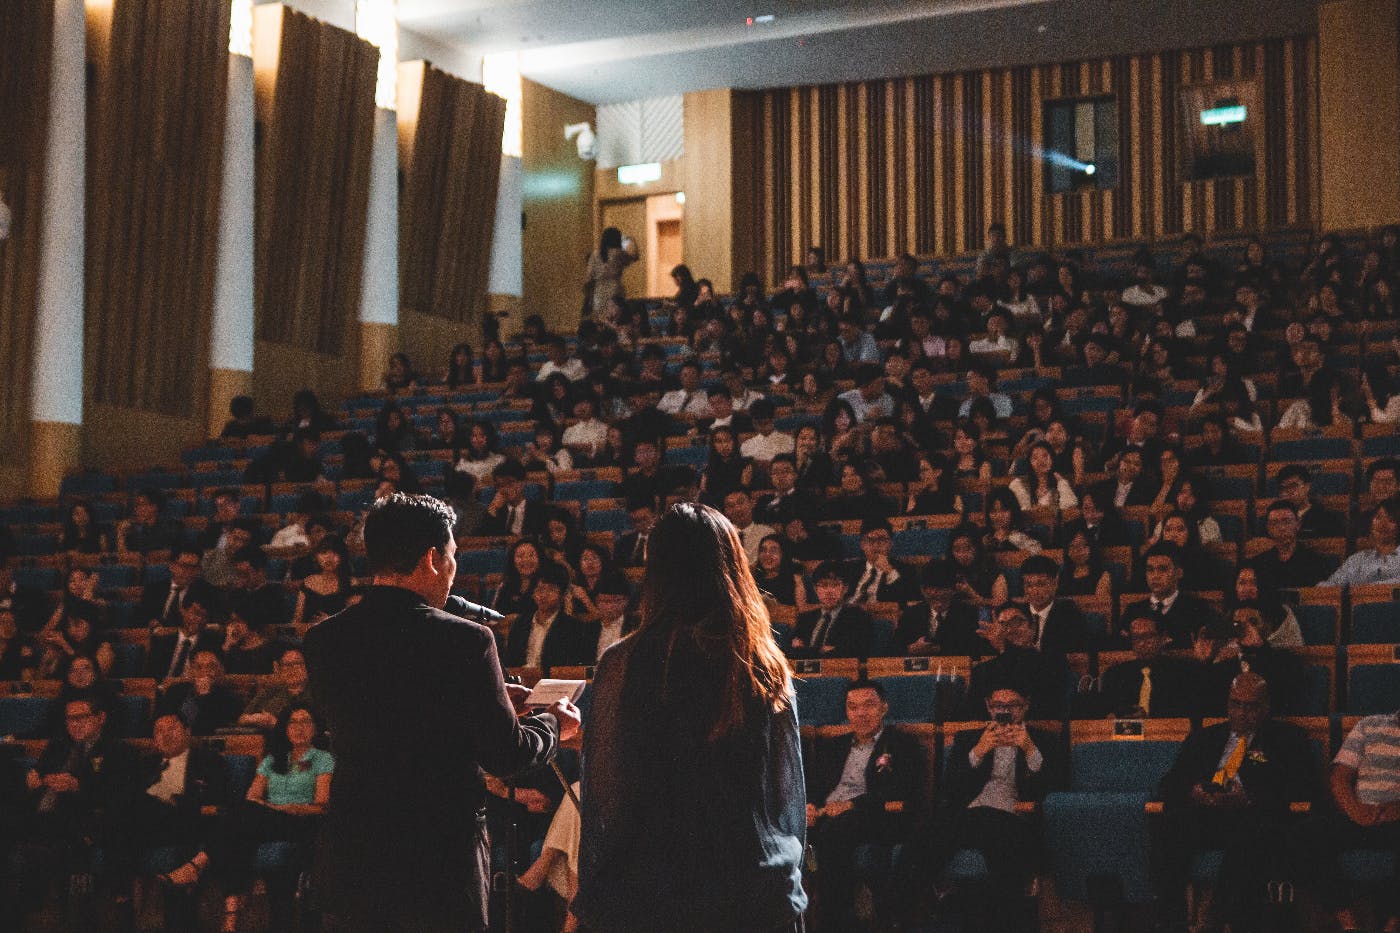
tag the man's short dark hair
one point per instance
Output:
(720, 391)
(1281, 505)
(1292, 471)
(183, 549)
(241, 406)
(201, 593)
(1163, 549)
(789, 459)
(865, 683)
(867, 373)
(762, 410)
(1041, 564)
(552, 574)
(509, 469)
(829, 569)
(937, 575)
(401, 528)
(875, 523)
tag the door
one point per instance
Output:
(631, 218)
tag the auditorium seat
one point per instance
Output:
(26, 717)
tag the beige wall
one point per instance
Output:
(557, 202)
(1359, 70)
(126, 438)
(280, 371)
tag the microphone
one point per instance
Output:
(471, 611)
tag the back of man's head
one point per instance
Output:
(401, 528)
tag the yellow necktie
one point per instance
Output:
(1232, 764)
(1145, 691)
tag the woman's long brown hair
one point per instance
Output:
(698, 587)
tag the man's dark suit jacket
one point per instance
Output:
(206, 778)
(956, 635)
(567, 642)
(1177, 685)
(962, 782)
(162, 651)
(152, 605)
(903, 590)
(103, 774)
(1043, 679)
(416, 707)
(533, 523)
(900, 779)
(1279, 767)
(627, 553)
(1142, 492)
(1065, 628)
(799, 503)
(852, 633)
(1189, 614)
(1284, 672)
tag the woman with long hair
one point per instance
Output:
(82, 534)
(605, 266)
(461, 368)
(778, 575)
(694, 813)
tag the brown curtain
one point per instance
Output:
(155, 165)
(26, 33)
(316, 116)
(451, 166)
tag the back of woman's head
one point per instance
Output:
(612, 239)
(699, 594)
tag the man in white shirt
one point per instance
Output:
(586, 436)
(869, 398)
(738, 508)
(1144, 292)
(690, 400)
(996, 339)
(571, 367)
(739, 393)
(614, 621)
(767, 442)
(980, 381)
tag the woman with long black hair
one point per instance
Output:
(694, 812)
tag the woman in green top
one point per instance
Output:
(284, 804)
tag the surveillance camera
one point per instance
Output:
(587, 142)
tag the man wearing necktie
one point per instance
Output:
(940, 623)
(509, 513)
(1230, 789)
(1152, 685)
(169, 655)
(160, 601)
(1183, 615)
(876, 578)
(833, 629)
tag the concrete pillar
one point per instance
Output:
(379, 296)
(56, 405)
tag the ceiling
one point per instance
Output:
(604, 51)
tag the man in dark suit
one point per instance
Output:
(1289, 563)
(1059, 625)
(1043, 679)
(788, 500)
(1183, 616)
(77, 780)
(403, 844)
(163, 807)
(940, 624)
(833, 629)
(1230, 789)
(862, 789)
(874, 578)
(160, 601)
(169, 655)
(1151, 685)
(632, 547)
(615, 620)
(549, 636)
(509, 513)
(988, 772)
(267, 601)
(1130, 485)
(1314, 520)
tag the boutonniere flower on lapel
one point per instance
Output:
(1258, 757)
(882, 764)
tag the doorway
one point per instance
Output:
(657, 224)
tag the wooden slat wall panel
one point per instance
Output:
(26, 34)
(926, 163)
(451, 167)
(156, 134)
(316, 115)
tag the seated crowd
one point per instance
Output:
(1098, 496)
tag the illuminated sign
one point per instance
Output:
(1223, 116)
(639, 174)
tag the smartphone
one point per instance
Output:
(1002, 717)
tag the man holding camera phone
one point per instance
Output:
(989, 772)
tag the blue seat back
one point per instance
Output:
(1373, 688)
(912, 697)
(1121, 766)
(821, 701)
(1096, 837)
(25, 717)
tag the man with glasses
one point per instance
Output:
(989, 771)
(160, 601)
(287, 687)
(1315, 521)
(876, 578)
(1230, 789)
(1289, 563)
(1043, 678)
(71, 788)
(170, 655)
